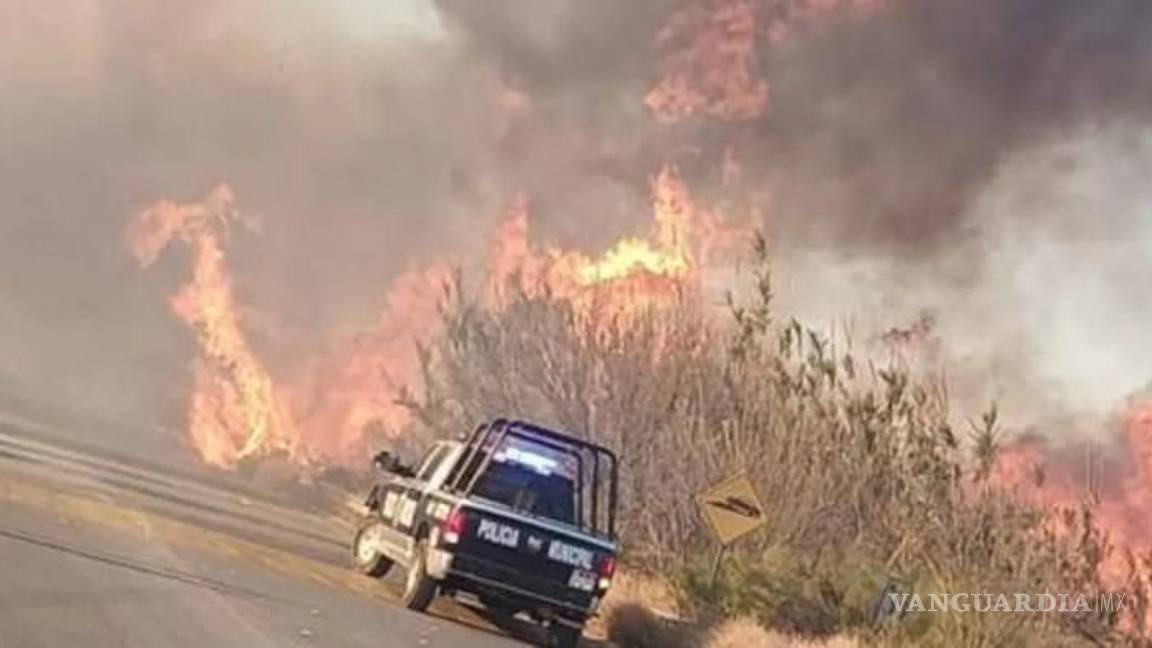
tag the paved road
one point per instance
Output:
(101, 554)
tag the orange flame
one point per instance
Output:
(634, 272)
(628, 257)
(352, 398)
(1119, 482)
(235, 412)
(712, 49)
(713, 71)
(354, 395)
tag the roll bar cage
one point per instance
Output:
(481, 445)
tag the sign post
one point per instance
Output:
(733, 510)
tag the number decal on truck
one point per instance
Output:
(389, 508)
(437, 510)
(407, 512)
(583, 580)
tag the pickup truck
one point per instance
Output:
(520, 517)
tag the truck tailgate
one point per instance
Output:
(534, 556)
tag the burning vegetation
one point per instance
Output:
(712, 49)
(359, 396)
(235, 410)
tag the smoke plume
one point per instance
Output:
(979, 161)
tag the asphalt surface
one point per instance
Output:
(99, 552)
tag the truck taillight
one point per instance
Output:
(607, 569)
(455, 526)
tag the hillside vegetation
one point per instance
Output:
(866, 482)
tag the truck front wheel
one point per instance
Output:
(365, 548)
(419, 587)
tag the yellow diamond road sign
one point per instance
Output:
(732, 508)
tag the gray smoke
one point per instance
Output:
(984, 162)
(978, 159)
(345, 129)
(886, 131)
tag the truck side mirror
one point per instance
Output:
(385, 461)
(390, 463)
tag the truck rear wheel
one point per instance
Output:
(365, 548)
(564, 636)
(419, 587)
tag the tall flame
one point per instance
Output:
(711, 64)
(632, 273)
(355, 394)
(712, 51)
(235, 412)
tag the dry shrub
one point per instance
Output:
(634, 587)
(633, 625)
(744, 633)
(864, 478)
(630, 589)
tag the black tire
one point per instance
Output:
(564, 636)
(419, 587)
(499, 609)
(370, 562)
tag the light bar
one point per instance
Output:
(540, 463)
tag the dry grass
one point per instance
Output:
(631, 587)
(632, 625)
(747, 633)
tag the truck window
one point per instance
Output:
(525, 490)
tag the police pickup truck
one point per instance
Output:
(520, 517)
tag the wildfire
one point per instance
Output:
(630, 256)
(682, 241)
(352, 398)
(666, 254)
(1116, 477)
(710, 63)
(355, 394)
(712, 51)
(712, 66)
(1127, 503)
(234, 412)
